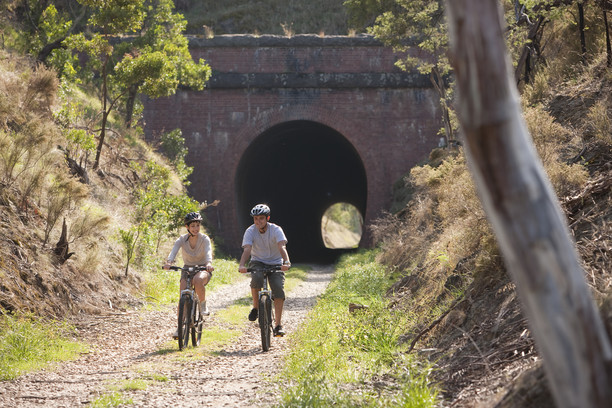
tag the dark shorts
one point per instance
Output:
(276, 280)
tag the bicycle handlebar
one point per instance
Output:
(188, 268)
(273, 268)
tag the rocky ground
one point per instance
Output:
(135, 347)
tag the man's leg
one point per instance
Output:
(278, 310)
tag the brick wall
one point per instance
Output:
(348, 84)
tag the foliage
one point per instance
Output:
(27, 344)
(337, 352)
(154, 63)
(407, 24)
(173, 147)
(265, 17)
(157, 212)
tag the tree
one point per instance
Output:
(155, 62)
(109, 18)
(161, 58)
(405, 24)
(527, 219)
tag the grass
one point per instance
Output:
(28, 345)
(114, 399)
(162, 286)
(337, 355)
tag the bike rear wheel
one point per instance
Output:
(265, 321)
(184, 317)
(198, 323)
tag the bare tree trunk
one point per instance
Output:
(581, 28)
(607, 31)
(525, 214)
(105, 114)
(129, 105)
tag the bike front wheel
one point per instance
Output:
(265, 321)
(184, 317)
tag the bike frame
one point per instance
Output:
(265, 314)
(189, 301)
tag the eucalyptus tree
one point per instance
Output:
(405, 24)
(162, 49)
(109, 19)
(135, 46)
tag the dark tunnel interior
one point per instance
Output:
(300, 169)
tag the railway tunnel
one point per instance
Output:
(300, 168)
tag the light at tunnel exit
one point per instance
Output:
(341, 226)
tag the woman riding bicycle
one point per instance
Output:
(196, 249)
(265, 244)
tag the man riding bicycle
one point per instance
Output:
(265, 245)
(196, 249)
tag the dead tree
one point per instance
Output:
(521, 205)
(61, 248)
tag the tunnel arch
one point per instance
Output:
(300, 168)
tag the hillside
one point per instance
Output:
(40, 188)
(469, 317)
(265, 17)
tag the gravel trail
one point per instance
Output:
(134, 346)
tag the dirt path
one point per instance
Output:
(127, 347)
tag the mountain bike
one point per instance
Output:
(190, 318)
(265, 315)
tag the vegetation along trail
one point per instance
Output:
(133, 361)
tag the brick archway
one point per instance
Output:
(300, 168)
(346, 89)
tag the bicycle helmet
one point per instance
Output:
(192, 216)
(260, 209)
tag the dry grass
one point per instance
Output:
(37, 192)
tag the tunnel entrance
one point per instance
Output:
(300, 169)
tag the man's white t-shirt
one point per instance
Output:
(264, 247)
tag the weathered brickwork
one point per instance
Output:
(342, 83)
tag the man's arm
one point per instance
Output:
(282, 247)
(246, 255)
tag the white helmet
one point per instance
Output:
(260, 209)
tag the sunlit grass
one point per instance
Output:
(114, 399)
(335, 356)
(236, 313)
(162, 286)
(29, 345)
(132, 385)
(213, 339)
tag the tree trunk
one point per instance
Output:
(607, 31)
(526, 60)
(525, 214)
(583, 49)
(129, 105)
(105, 114)
(61, 248)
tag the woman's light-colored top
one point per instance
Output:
(201, 254)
